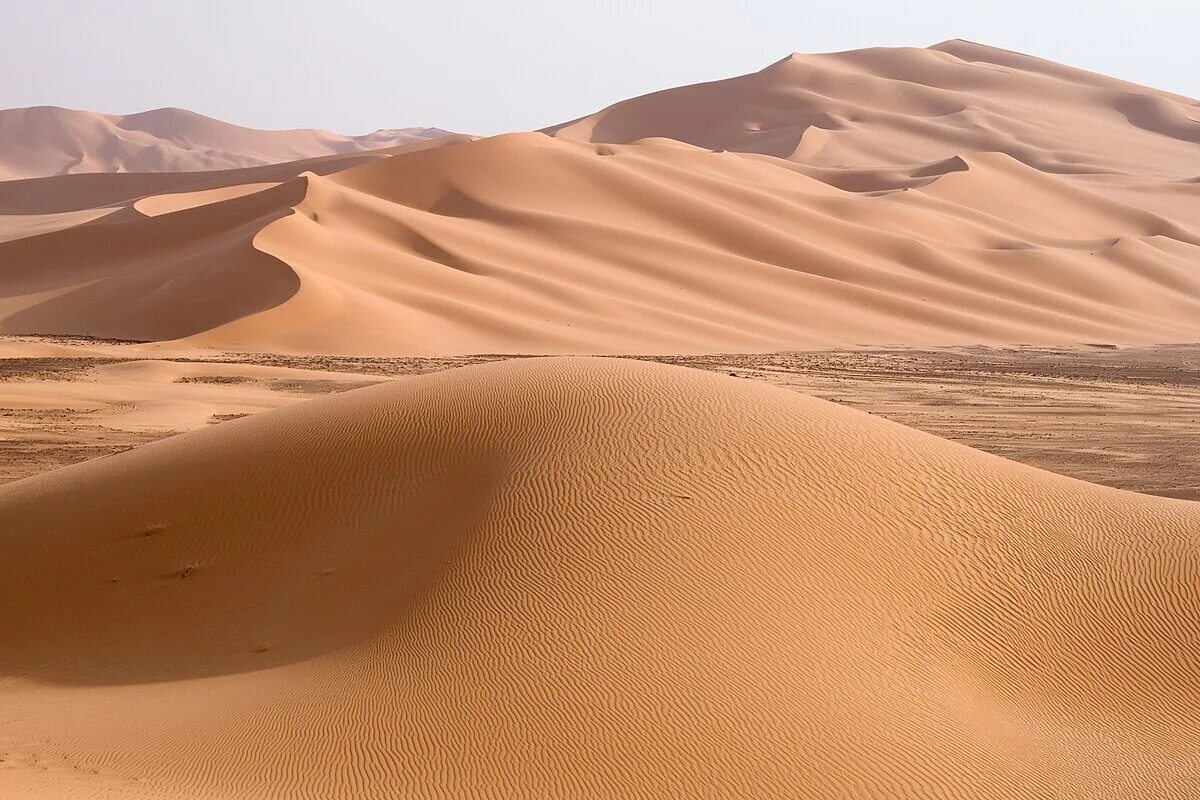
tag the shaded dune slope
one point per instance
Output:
(129, 276)
(163, 255)
(581, 578)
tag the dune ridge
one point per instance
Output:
(526, 243)
(47, 140)
(589, 577)
(83, 191)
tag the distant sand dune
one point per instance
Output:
(590, 578)
(129, 276)
(46, 140)
(884, 107)
(76, 192)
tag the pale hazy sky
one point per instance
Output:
(487, 67)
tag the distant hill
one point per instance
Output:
(45, 140)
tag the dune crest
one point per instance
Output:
(588, 578)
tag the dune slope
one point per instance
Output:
(127, 275)
(525, 244)
(583, 578)
(47, 140)
(886, 106)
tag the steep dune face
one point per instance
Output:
(582, 578)
(129, 276)
(57, 141)
(885, 107)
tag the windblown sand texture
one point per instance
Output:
(949, 196)
(583, 578)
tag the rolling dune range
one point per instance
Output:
(949, 196)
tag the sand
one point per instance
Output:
(588, 578)
(1121, 417)
(951, 196)
(890, 107)
(47, 140)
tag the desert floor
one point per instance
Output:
(1121, 417)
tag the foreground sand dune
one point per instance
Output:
(47, 140)
(582, 578)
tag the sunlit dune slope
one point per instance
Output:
(885, 106)
(47, 140)
(590, 578)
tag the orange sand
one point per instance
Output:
(583, 578)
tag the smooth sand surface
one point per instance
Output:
(590, 578)
(159, 204)
(893, 107)
(956, 195)
(46, 140)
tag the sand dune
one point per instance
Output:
(64, 193)
(577, 577)
(127, 275)
(526, 243)
(886, 107)
(951, 196)
(46, 140)
(582, 578)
